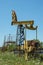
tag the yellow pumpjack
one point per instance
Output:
(26, 23)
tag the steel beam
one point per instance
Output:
(22, 22)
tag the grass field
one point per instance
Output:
(9, 58)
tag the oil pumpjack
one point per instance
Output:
(22, 25)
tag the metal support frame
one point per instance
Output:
(20, 37)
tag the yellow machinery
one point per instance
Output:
(25, 23)
(14, 21)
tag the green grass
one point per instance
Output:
(9, 58)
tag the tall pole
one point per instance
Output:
(36, 33)
(4, 40)
(25, 38)
(26, 54)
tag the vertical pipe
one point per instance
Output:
(4, 40)
(36, 33)
(26, 53)
(25, 38)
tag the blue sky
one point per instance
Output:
(25, 10)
